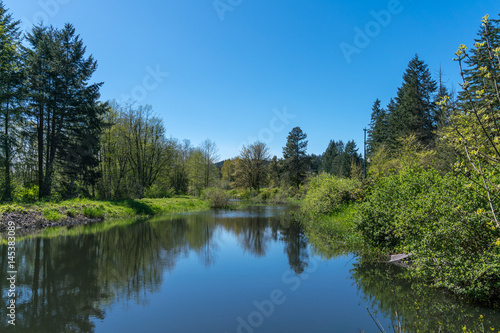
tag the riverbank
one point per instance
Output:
(28, 217)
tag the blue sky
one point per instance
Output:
(239, 70)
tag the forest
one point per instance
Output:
(428, 184)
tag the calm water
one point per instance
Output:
(241, 271)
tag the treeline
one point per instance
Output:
(254, 168)
(58, 140)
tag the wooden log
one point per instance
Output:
(398, 257)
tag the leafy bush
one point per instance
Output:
(217, 197)
(26, 194)
(12, 208)
(52, 214)
(93, 212)
(72, 212)
(390, 203)
(440, 221)
(158, 191)
(327, 194)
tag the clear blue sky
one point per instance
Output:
(226, 76)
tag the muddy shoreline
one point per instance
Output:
(31, 221)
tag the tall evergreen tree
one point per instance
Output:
(295, 157)
(63, 103)
(11, 96)
(414, 104)
(481, 73)
(377, 130)
(331, 152)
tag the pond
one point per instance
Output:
(249, 270)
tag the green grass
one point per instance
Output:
(115, 212)
(109, 208)
(93, 212)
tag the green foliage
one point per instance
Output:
(217, 197)
(411, 153)
(388, 204)
(278, 195)
(11, 91)
(377, 130)
(251, 167)
(68, 142)
(295, 162)
(12, 208)
(26, 194)
(473, 126)
(414, 109)
(72, 212)
(439, 220)
(52, 214)
(327, 194)
(93, 212)
(342, 160)
(158, 191)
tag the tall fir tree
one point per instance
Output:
(11, 97)
(295, 157)
(377, 130)
(63, 104)
(480, 62)
(415, 105)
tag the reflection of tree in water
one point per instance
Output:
(199, 236)
(295, 241)
(256, 233)
(254, 236)
(69, 281)
(376, 283)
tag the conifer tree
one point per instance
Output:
(377, 130)
(63, 104)
(11, 97)
(295, 157)
(414, 105)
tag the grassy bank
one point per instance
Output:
(98, 209)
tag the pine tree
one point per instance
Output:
(63, 104)
(481, 61)
(11, 97)
(377, 130)
(414, 105)
(295, 157)
(329, 156)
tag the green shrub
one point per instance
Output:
(158, 191)
(217, 197)
(72, 212)
(12, 208)
(26, 194)
(440, 221)
(52, 214)
(93, 212)
(327, 194)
